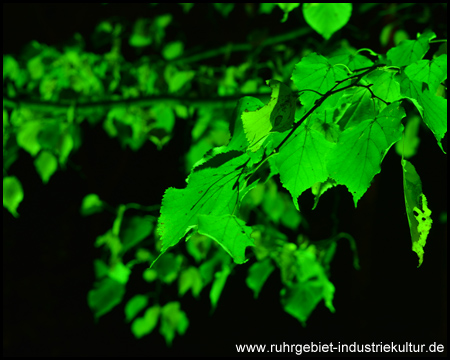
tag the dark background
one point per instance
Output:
(48, 251)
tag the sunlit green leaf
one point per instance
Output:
(409, 51)
(360, 149)
(210, 190)
(277, 115)
(315, 72)
(301, 161)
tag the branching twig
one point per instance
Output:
(319, 102)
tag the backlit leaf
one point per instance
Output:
(419, 215)
(277, 115)
(360, 149)
(327, 18)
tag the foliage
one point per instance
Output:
(333, 125)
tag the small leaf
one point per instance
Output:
(134, 305)
(12, 194)
(218, 284)
(91, 204)
(173, 50)
(105, 296)
(190, 279)
(46, 164)
(327, 18)
(258, 274)
(145, 325)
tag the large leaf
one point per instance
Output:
(360, 149)
(212, 190)
(419, 83)
(419, 215)
(301, 160)
(409, 51)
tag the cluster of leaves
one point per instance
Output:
(350, 115)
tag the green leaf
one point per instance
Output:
(145, 325)
(407, 146)
(360, 150)
(301, 160)
(323, 123)
(258, 273)
(432, 108)
(211, 190)
(248, 104)
(218, 284)
(91, 204)
(134, 305)
(176, 79)
(431, 72)
(357, 105)
(327, 18)
(384, 84)
(136, 230)
(300, 297)
(315, 72)
(277, 115)
(105, 296)
(409, 51)
(229, 232)
(173, 50)
(46, 164)
(12, 194)
(190, 279)
(419, 215)
(120, 272)
(172, 320)
(168, 268)
(27, 136)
